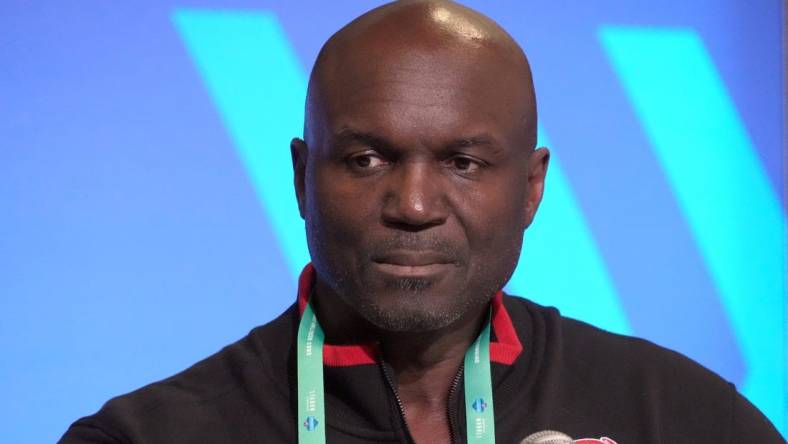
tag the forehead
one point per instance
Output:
(439, 91)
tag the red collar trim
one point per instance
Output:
(504, 350)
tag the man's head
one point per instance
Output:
(417, 174)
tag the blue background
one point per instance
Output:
(146, 217)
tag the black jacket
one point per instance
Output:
(549, 372)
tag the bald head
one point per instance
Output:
(416, 37)
(429, 22)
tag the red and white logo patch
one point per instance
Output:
(602, 440)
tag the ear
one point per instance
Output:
(300, 154)
(538, 161)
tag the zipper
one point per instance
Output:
(449, 411)
(401, 408)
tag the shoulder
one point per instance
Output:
(625, 379)
(588, 350)
(259, 362)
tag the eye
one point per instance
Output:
(366, 160)
(464, 164)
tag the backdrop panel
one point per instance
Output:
(147, 216)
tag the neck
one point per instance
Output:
(415, 352)
(425, 363)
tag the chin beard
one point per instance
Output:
(410, 314)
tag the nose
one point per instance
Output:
(415, 198)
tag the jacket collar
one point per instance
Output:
(504, 349)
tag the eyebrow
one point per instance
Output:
(347, 135)
(480, 140)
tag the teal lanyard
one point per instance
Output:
(311, 403)
(479, 415)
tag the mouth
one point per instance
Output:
(413, 264)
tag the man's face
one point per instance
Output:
(419, 182)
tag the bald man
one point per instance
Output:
(416, 178)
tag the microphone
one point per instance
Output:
(547, 437)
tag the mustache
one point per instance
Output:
(417, 243)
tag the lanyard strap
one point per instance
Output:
(311, 397)
(479, 415)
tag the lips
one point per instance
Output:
(407, 263)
